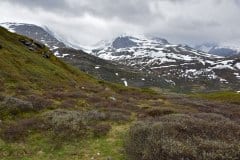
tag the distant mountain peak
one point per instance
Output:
(219, 49)
(160, 40)
(123, 42)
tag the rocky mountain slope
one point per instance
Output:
(110, 71)
(179, 65)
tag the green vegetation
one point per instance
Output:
(24, 70)
(230, 97)
(50, 110)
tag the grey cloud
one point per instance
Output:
(87, 21)
(130, 10)
(46, 4)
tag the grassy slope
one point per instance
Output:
(23, 68)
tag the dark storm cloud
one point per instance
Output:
(87, 21)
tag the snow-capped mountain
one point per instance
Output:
(143, 61)
(218, 49)
(178, 64)
(38, 33)
(102, 69)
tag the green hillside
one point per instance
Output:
(50, 110)
(23, 66)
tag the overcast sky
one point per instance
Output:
(88, 21)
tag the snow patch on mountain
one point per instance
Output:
(173, 62)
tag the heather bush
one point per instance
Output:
(94, 115)
(66, 124)
(155, 112)
(1, 97)
(68, 104)
(101, 130)
(118, 116)
(21, 129)
(2, 87)
(14, 106)
(184, 137)
(39, 102)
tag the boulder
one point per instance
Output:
(31, 45)
(46, 55)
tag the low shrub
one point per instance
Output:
(156, 112)
(1, 97)
(101, 130)
(94, 99)
(20, 130)
(39, 102)
(22, 89)
(95, 115)
(67, 104)
(66, 124)
(56, 95)
(181, 136)
(14, 133)
(14, 106)
(2, 87)
(118, 116)
(76, 94)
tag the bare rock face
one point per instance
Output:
(35, 46)
(123, 42)
(31, 45)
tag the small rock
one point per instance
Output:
(46, 55)
(31, 48)
(113, 98)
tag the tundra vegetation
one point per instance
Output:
(51, 110)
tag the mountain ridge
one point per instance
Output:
(176, 63)
(154, 61)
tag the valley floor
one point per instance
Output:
(38, 144)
